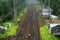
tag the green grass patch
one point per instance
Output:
(45, 35)
(10, 31)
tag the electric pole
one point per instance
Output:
(41, 2)
(15, 11)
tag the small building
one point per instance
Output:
(54, 19)
(46, 11)
(54, 29)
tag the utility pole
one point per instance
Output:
(49, 3)
(15, 11)
(49, 8)
(41, 2)
(49, 12)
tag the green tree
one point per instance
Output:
(55, 5)
(6, 6)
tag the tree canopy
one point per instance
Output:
(55, 5)
(6, 7)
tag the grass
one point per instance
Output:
(45, 35)
(12, 30)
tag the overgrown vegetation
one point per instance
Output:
(12, 30)
(6, 7)
(45, 35)
(55, 5)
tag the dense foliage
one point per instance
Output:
(6, 7)
(55, 5)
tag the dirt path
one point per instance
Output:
(29, 26)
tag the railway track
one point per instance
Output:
(28, 27)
